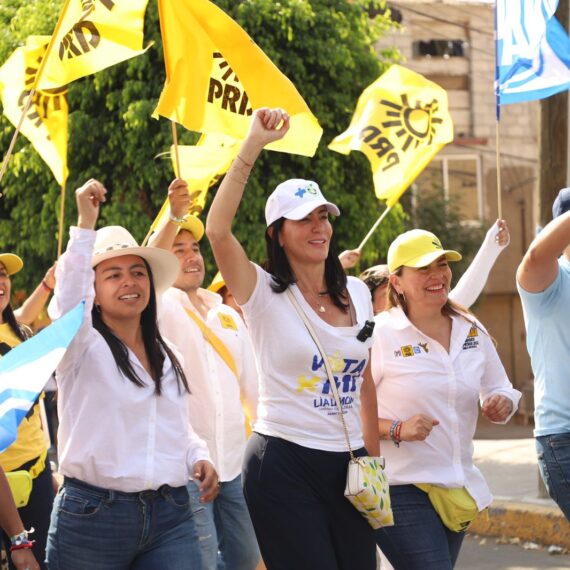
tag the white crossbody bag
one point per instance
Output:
(366, 483)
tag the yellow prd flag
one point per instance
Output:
(45, 123)
(92, 35)
(205, 52)
(400, 123)
(201, 166)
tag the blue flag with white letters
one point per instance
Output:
(533, 51)
(25, 370)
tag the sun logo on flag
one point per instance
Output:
(45, 101)
(417, 123)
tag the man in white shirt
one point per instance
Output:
(220, 367)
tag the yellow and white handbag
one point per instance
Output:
(366, 483)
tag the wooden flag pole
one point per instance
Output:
(373, 228)
(61, 220)
(176, 155)
(499, 194)
(15, 136)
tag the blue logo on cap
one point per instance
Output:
(309, 189)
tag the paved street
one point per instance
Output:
(493, 556)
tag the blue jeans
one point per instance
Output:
(418, 540)
(97, 529)
(226, 535)
(554, 464)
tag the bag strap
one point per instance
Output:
(325, 358)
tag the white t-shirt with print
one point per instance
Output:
(295, 399)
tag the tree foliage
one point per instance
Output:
(324, 46)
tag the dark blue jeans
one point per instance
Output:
(418, 540)
(554, 464)
(99, 529)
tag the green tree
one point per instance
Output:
(324, 46)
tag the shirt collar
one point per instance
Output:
(210, 299)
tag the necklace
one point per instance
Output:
(320, 306)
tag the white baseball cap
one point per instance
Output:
(294, 199)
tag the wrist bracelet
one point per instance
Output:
(175, 219)
(249, 165)
(22, 545)
(395, 432)
(46, 286)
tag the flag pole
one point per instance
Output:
(176, 155)
(373, 228)
(15, 136)
(61, 220)
(499, 194)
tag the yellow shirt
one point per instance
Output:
(31, 441)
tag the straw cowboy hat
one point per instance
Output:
(115, 241)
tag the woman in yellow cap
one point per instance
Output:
(432, 362)
(29, 451)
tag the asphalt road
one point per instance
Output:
(485, 554)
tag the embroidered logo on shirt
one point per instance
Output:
(411, 350)
(471, 341)
(227, 321)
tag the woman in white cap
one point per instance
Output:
(126, 448)
(29, 451)
(432, 362)
(296, 460)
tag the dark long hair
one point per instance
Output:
(278, 266)
(153, 343)
(21, 331)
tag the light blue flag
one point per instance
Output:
(533, 51)
(25, 370)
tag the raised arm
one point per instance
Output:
(474, 279)
(539, 266)
(33, 305)
(267, 125)
(179, 202)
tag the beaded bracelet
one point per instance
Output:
(395, 432)
(21, 541)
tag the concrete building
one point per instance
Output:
(452, 43)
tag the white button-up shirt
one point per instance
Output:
(216, 411)
(112, 433)
(414, 374)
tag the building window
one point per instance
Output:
(458, 178)
(439, 48)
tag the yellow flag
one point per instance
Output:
(45, 123)
(92, 35)
(216, 75)
(400, 123)
(201, 166)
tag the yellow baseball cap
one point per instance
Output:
(11, 262)
(217, 283)
(194, 225)
(417, 248)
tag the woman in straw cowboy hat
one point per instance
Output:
(126, 449)
(29, 451)
(432, 362)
